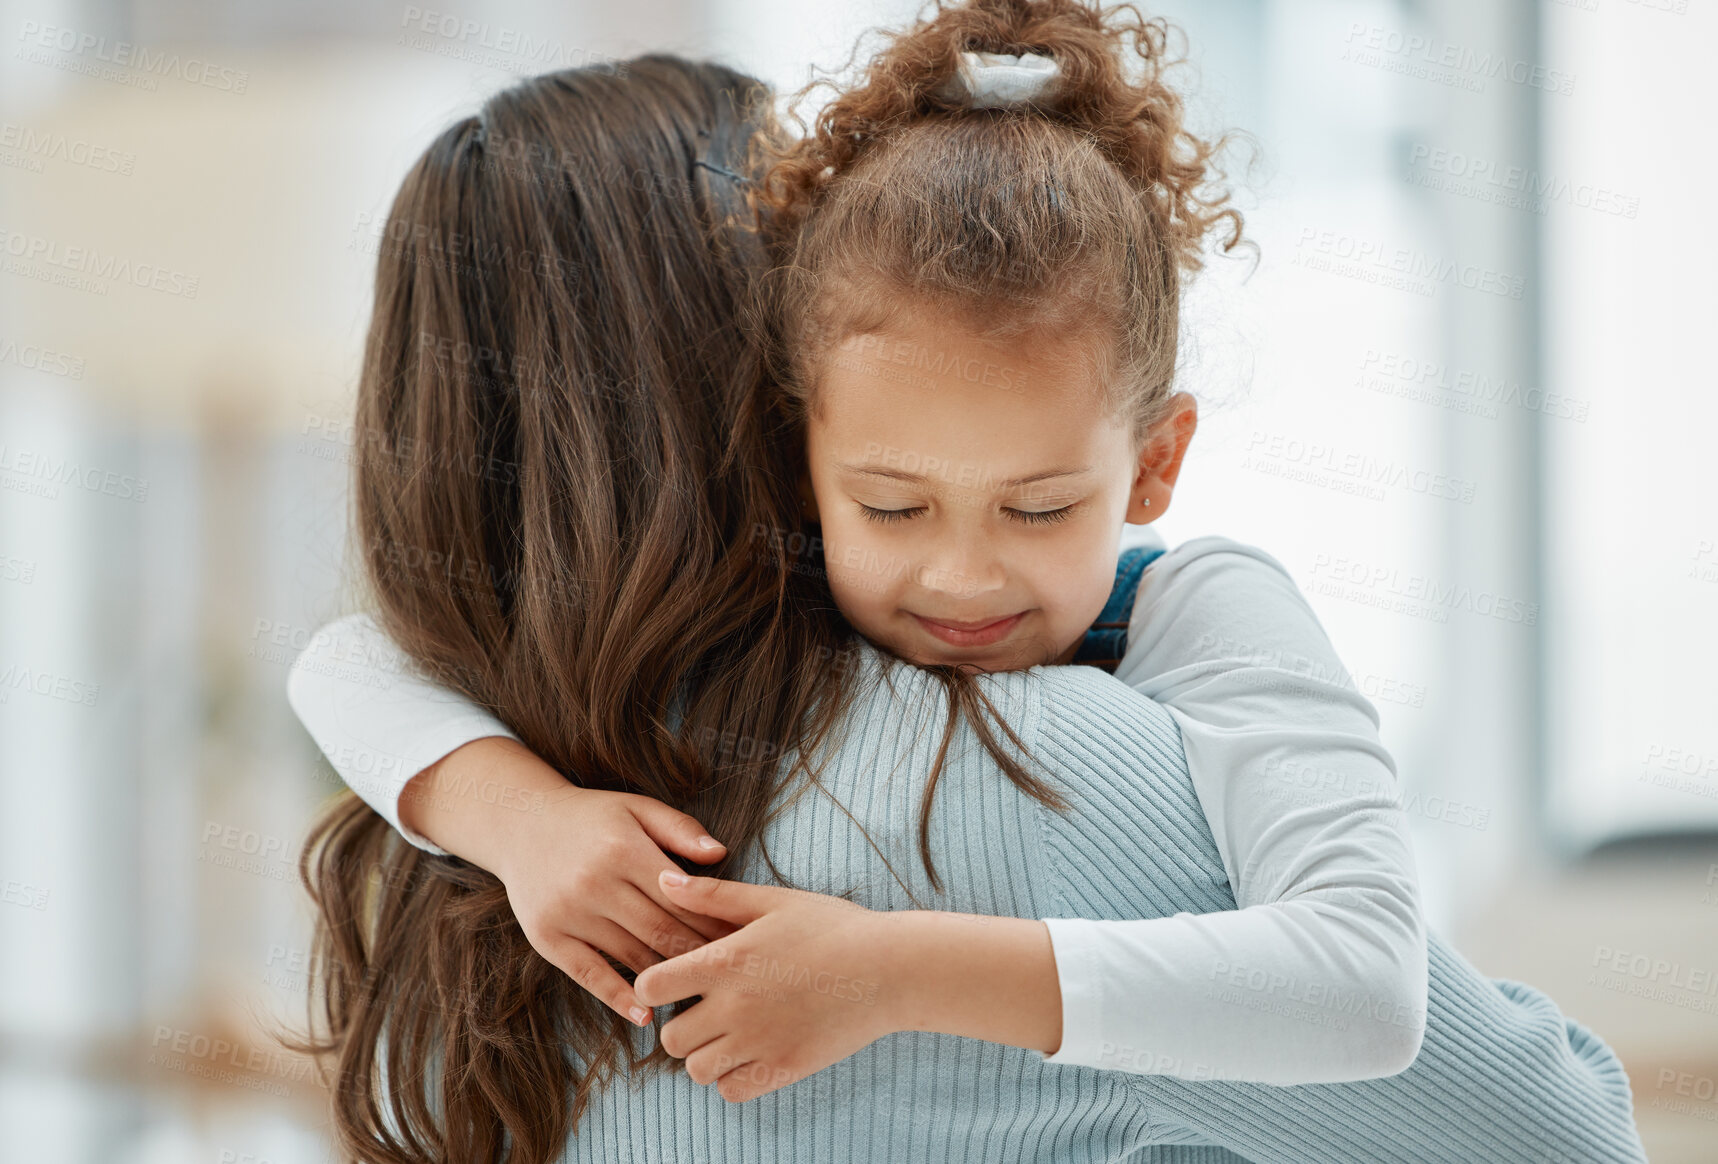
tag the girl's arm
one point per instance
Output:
(378, 721)
(580, 865)
(1302, 800)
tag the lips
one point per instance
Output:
(980, 633)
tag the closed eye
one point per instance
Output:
(1041, 516)
(872, 513)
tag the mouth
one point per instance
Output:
(982, 633)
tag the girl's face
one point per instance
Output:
(972, 490)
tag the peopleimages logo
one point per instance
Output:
(1399, 268)
(17, 677)
(1270, 666)
(1655, 979)
(86, 268)
(1460, 389)
(1516, 186)
(1370, 476)
(1403, 592)
(496, 45)
(1310, 997)
(36, 358)
(1426, 57)
(911, 363)
(123, 54)
(31, 465)
(221, 1060)
(40, 145)
(23, 895)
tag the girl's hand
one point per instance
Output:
(580, 865)
(800, 986)
(584, 883)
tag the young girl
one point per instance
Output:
(983, 245)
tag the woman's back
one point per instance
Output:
(1134, 843)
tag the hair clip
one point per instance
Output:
(998, 80)
(722, 170)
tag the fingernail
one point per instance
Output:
(708, 842)
(639, 1015)
(673, 877)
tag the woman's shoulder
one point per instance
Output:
(1062, 702)
(1112, 754)
(1116, 760)
(1090, 714)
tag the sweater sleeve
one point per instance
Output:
(1502, 1077)
(1301, 798)
(376, 718)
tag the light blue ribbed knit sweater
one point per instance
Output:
(1501, 1076)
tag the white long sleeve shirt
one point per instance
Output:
(1319, 976)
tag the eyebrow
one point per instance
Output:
(917, 478)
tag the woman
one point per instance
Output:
(543, 316)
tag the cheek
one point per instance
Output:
(859, 568)
(1074, 578)
(1094, 587)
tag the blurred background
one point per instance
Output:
(1459, 396)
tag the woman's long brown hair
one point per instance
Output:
(573, 508)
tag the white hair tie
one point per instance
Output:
(997, 80)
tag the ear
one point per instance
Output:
(1160, 460)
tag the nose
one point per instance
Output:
(963, 567)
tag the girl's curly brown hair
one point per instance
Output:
(1087, 206)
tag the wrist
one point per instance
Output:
(907, 970)
(990, 978)
(927, 968)
(481, 800)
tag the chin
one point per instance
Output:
(1012, 658)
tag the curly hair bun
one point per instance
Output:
(1082, 195)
